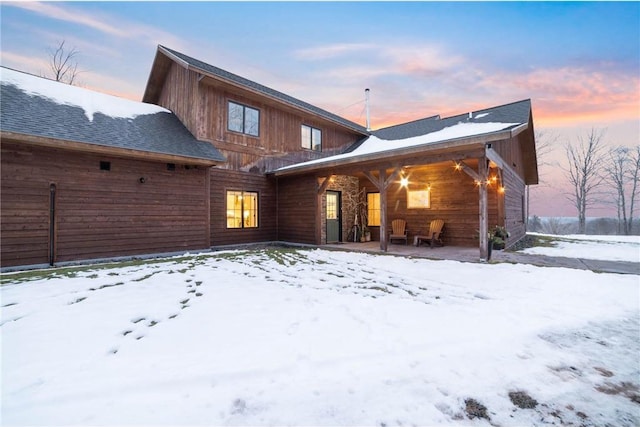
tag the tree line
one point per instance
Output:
(597, 174)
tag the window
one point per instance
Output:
(242, 209)
(311, 138)
(243, 119)
(105, 166)
(373, 209)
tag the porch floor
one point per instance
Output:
(457, 253)
(468, 254)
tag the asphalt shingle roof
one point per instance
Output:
(210, 69)
(161, 132)
(516, 112)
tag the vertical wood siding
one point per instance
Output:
(224, 180)
(514, 219)
(98, 213)
(297, 209)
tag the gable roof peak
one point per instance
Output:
(220, 74)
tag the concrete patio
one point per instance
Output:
(472, 254)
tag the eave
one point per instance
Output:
(91, 148)
(452, 149)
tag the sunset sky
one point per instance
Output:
(578, 62)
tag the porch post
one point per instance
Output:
(383, 210)
(483, 208)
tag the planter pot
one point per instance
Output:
(367, 237)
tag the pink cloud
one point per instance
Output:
(113, 26)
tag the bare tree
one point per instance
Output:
(622, 171)
(583, 172)
(63, 66)
(544, 145)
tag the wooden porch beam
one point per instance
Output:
(383, 209)
(321, 188)
(468, 170)
(391, 177)
(373, 179)
(483, 215)
(492, 155)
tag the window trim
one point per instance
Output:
(242, 209)
(244, 119)
(311, 129)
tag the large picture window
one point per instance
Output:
(373, 209)
(243, 119)
(242, 209)
(311, 138)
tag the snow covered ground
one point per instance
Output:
(611, 248)
(317, 337)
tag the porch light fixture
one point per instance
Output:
(404, 181)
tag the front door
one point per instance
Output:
(333, 217)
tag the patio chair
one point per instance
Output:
(434, 239)
(399, 231)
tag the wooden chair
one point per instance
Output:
(435, 230)
(399, 231)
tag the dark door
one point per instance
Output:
(333, 216)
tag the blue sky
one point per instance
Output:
(578, 62)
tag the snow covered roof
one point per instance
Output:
(151, 91)
(428, 133)
(37, 106)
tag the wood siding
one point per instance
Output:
(201, 104)
(514, 213)
(454, 198)
(511, 152)
(297, 198)
(98, 213)
(225, 180)
(180, 95)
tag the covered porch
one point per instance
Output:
(470, 171)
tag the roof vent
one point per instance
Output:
(366, 100)
(470, 115)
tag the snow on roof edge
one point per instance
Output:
(375, 144)
(89, 100)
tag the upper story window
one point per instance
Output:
(311, 138)
(243, 119)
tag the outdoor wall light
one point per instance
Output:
(404, 181)
(142, 180)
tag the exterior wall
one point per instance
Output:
(297, 198)
(224, 180)
(98, 213)
(180, 94)
(202, 106)
(279, 142)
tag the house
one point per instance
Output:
(210, 159)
